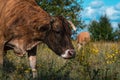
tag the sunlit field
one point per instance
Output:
(95, 61)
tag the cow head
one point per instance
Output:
(58, 38)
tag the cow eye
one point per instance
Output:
(43, 29)
(58, 32)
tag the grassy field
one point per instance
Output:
(95, 61)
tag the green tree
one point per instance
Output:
(117, 33)
(94, 30)
(70, 9)
(105, 28)
(101, 30)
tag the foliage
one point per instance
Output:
(70, 9)
(95, 61)
(106, 28)
(101, 30)
(117, 33)
(94, 29)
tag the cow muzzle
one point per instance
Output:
(68, 54)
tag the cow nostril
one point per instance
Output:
(71, 52)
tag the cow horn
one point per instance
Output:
(72, 25)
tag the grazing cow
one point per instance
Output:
(82, 39)
(24, 25)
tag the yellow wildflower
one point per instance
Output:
(94, 51)
(116, 51)
(27, 70)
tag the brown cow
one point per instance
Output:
(82, 39)
(24, 25)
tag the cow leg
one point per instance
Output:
(79, 46)
(32, 60)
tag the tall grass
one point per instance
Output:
(95, 61)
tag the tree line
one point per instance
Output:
(103, 30)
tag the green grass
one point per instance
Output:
(95, 61)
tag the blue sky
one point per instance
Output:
(93, 9)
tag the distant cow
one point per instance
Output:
(24, 25)
(82, 39)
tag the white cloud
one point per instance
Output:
(113, 13)
(110, 11)
(96, 4)
(117, 7)
(97, 8)
(89, 11)
(114, 24)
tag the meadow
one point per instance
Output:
(95, 61)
